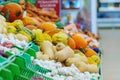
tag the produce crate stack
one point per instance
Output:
(37, 46)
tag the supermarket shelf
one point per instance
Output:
(109, 25)
(111, 20)
(110, 1)
(110, 9)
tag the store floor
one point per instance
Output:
(111, 53)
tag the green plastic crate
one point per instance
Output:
(17, 70)
(29, 73)
(6, 74)
(17, 47)
(11, 72)
(1, 78)
(31, 51)
(32, 66)
(2, 59)
(30, 45)
(24, 59)
(33, 46)
(14, 69)
(20, 77)
(8, 53)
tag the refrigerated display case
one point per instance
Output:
(108, 13)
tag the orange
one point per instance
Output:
(79, 41)
(71, 43)
(47, 26)
(31, 27)
(30, 21)
(89, 52)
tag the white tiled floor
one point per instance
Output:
(111, 53)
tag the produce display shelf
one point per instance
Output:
(100, 55)
(100, 72)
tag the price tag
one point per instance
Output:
(49, 4)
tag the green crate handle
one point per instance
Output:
(33, 46)
(7, 62)
(30, 73)
(1, 78)
(6, 74)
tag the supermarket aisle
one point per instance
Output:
(111, 54)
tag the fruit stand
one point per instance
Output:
(34, 45)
